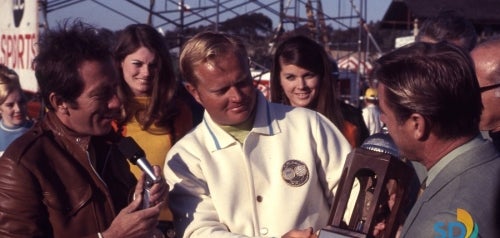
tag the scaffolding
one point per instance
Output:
(286, 14)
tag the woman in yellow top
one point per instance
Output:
(152, 113)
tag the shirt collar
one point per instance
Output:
(263, 124)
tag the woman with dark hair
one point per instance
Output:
(302, 76)
(152, 113)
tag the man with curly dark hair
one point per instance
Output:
(65, 177)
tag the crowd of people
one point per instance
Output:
(229, 162)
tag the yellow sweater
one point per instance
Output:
(158, 144)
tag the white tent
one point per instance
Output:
(351, 63)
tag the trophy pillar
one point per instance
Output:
(383, 179)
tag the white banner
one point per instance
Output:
(19, 34)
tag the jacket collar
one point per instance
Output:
(53, 123)
(462, 163)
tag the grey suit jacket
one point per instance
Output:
(470, 182)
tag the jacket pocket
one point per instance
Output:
(69, 201)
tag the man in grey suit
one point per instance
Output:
(431, 103)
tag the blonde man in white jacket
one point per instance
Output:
(251, 168)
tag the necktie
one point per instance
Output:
(423, 186)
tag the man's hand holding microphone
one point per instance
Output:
(140, 217)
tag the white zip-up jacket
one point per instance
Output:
(281, 178)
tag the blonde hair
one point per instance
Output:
(9, 82)
(206, 47)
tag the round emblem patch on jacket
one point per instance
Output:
(295, 173)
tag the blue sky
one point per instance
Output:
(97, 12)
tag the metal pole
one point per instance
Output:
(355, 89)
(217, 17)
(180, 35)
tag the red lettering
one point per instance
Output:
(18, 51)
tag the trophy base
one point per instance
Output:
(334, 232)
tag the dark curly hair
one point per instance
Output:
(61, 52)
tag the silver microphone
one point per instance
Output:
(134, 153)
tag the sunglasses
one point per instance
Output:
(489, 87)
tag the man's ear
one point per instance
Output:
(59, 105)
(420, 126)
(193, 91)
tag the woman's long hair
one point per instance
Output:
(306, 53)
(161, 109)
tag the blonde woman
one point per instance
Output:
(13, 111)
